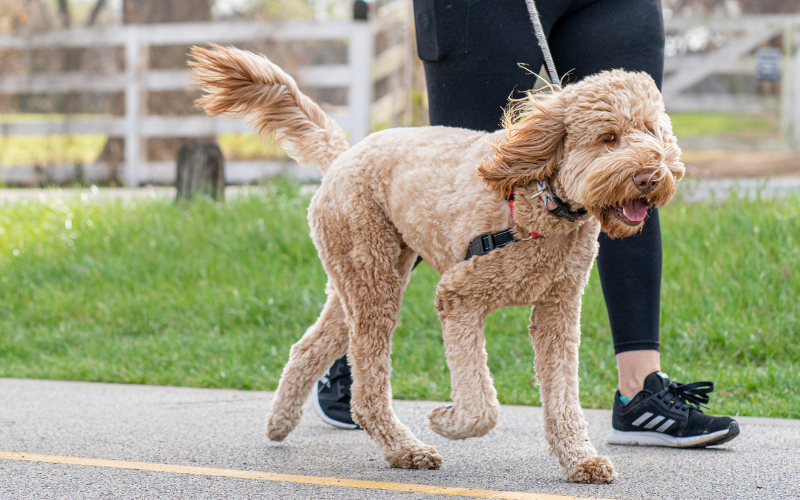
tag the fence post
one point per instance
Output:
(795, 90)
(787, 85)
(133, 106)
(359, 93)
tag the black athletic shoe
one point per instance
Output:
(332, 396)
(668, 414)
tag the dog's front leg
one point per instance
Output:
(475, 408)
(555, 332)
(462, 311)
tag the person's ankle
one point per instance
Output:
(633, 367)
(631, 389)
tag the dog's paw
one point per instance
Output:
(278, 426)
(419, 456)
(594, 469)
(447, 422)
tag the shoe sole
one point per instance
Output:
(658, 439)
(321, 414)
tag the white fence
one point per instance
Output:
(736, 56)
(358, 75)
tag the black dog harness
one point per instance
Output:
(487, 242)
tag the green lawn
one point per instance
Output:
(716, 124)
(214, 295)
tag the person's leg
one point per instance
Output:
(607, 35)
(633, 367)
(630, 275)
(471, 53)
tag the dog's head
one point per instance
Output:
(605, 143)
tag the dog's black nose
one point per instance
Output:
(646, 182)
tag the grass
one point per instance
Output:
(716, 124)
(26, 150)
(214, 295)
(248, 147)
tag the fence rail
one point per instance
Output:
(737, 57)
(358, 75)
(684, 74)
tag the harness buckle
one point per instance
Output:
(487, 242)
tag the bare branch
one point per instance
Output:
(98, 7)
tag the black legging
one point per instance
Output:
(472, 50)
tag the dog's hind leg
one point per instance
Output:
(309, 358)
(475, 409)
(555, 332)
(372, 287)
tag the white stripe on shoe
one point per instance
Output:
(642, 419)
(654, 422)
(666, 425)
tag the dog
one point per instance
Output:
(526, 203)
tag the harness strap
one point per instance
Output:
(487, 242)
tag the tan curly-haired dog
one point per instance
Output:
(604, 144)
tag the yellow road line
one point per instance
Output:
(285, 478)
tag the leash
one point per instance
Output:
(539, 31)
(553, 203)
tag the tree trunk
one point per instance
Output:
(201, 169)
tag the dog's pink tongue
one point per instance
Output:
(635, 210)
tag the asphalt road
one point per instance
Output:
(224, 429)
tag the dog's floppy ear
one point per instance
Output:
(533, 144)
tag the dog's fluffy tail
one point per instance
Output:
(239, 83)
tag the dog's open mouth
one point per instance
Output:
(632, 212)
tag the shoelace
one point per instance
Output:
(694, 395)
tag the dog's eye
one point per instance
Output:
(609, 138)
(650, 130)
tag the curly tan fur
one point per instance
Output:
(533, 145)
(239, 83)
(407, 192)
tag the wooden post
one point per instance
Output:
(200, 169)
